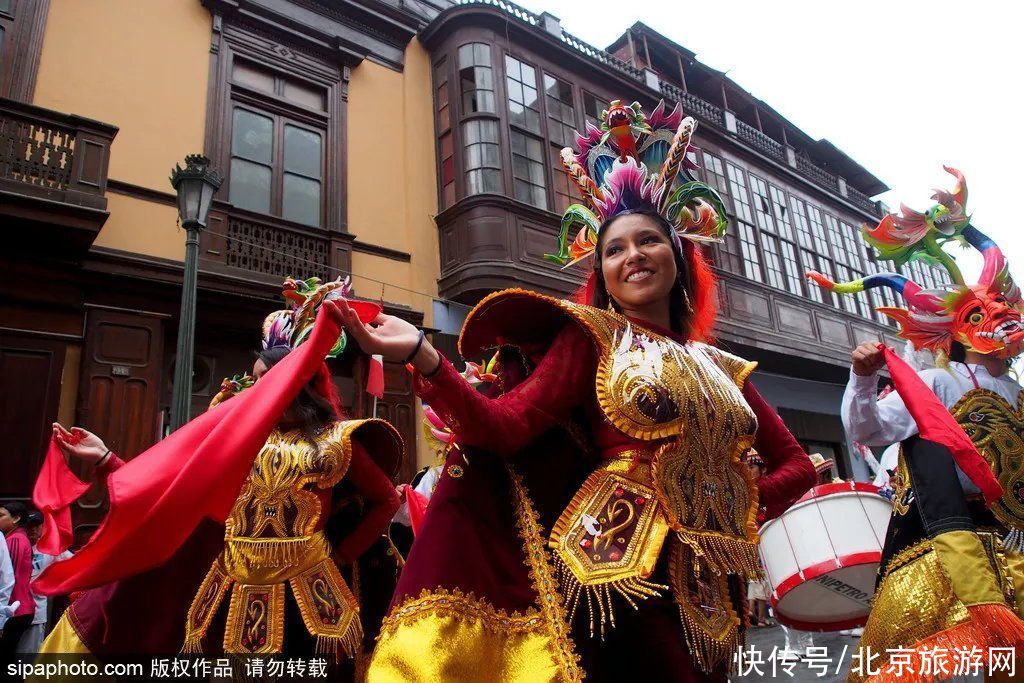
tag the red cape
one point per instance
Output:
(159, 498)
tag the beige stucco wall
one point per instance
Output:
(392, 184)
(141, 66)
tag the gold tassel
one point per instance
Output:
(631, 590)
(724, 554)
(193, 645)
(348, 643)
(709, 652)
(270, 552)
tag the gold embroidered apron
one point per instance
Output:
(270, 539)
(684, 485)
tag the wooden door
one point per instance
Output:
(399, 408)
(118, 393)
(30, 377)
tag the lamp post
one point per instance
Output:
(195, 185)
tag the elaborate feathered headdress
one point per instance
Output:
(632, 162)
(292, 326)
(984, 317)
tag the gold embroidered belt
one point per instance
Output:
(255, 571)
(608, 541)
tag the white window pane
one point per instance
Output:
(250, 186)
(302, 151)
(301, 200)
(252, 136)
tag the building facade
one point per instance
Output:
(510, 90)
(318, 116)
(410, 144)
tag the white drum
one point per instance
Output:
(821, 556)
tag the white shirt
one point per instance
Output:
(41, 561)
(428, 482)
(887, 463)
(6, 582)
(875, 422)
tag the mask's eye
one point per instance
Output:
(975, 318)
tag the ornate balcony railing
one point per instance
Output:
(54, 156)
(692, 105)
(756, 138)
(266, 246)
(861, 199)
(819, 175)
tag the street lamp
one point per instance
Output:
(195, 185)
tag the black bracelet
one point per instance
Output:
(416, 349)
(437, 368)
(99, 463)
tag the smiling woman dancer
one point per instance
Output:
(596, 518)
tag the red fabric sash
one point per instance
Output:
(417, 504)
(56, 489)
(935, 423)
(159, 497)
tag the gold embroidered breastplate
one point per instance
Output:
(997, 429)
(270, 539)
(684, 404)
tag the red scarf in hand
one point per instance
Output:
(159, 497)
(56, 489)
(935, 423)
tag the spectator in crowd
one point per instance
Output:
(12, 518)
(6, 583)
(757, 595)
(32, 639)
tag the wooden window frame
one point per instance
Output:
(277, 168)
(324, 72)
(24, 28)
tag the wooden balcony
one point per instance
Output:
(256, 247)
(53, 176)
(490, 242)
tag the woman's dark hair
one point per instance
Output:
(15, 508)
(684, 289)
(311, 407)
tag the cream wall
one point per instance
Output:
(141, 65)
(392, 185)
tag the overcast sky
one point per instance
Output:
(901, 86)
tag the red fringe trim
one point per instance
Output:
(989, 626)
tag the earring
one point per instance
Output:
(686, 298)
(611, 308)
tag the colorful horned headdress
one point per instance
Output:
(631, 162)
(291, 327)
(984, 317)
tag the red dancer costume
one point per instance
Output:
(602, 495)
(274, 534)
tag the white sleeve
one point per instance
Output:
(429, 481)
(6, 579)
(874, 422)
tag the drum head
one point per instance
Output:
(843, 594)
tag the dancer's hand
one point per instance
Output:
(79, 443)
(867, 359)
(390, 337)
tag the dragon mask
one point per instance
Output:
(984, 317)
